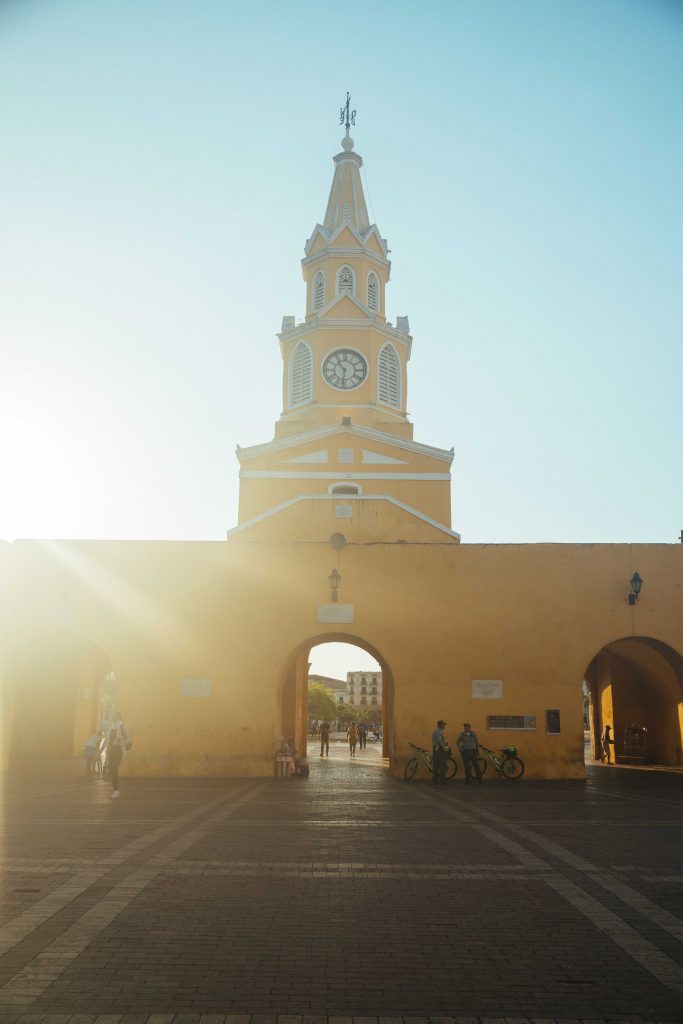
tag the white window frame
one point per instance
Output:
(378, 303)
(399, 397)
(291, 404)
(345, 291)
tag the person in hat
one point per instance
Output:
(468, 745)
(440, 751)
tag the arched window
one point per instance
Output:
(373, 292)
(300, 375)
(345, 280)
(319, 290)
(389, 377)
(345, 489)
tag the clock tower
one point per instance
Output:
(344, 429)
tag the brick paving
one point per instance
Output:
(347, 898)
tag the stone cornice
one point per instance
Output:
(346, 253)
(316, 324)
(295, 440)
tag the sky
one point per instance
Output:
(163, 164)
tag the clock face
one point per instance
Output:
(344, 369)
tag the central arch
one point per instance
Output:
(293, 690)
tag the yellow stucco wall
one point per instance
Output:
(440, 615)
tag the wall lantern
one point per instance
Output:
(335, 580)
(636, 584)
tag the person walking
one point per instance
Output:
(363, 735)
(607, 742)
(468, 745)
(118, 743)
(325, 739)
(440, 751)
(352, 733)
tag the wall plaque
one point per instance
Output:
(487, 689)
(190, 687)
(343, 511)
(335, 613)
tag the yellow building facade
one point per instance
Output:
(344, 533)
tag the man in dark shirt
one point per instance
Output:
(325, 739)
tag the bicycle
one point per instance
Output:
(506, 764)
(423, 755)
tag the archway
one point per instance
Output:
(293, 716)
(61, 684)
(635, 684)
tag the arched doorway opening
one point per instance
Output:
(347, 666)
(635, 685)
(63, 690)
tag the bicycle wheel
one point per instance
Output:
(513, 768)
(410, 768)
(482, 764)
(451, 767)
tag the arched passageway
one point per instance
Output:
(635, 684)
(293, 716)
(61, 687)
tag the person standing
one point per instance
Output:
(352, 733)
(440, 751)
(607, 741)
(363, 735)
(118, 742)
(325, 739)
(468, 745)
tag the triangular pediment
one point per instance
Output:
(345, 237)
(374, 241)
(344, 305)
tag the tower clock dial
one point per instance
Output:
(344, 369)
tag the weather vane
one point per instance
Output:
(347, 117)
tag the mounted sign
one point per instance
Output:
(487, 689)
(190, 687)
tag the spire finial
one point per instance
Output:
(347, 117)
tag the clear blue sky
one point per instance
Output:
(163, 163)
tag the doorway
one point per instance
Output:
(338, 680)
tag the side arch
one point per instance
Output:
(635, 684)
(56, 682)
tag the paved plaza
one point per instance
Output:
(349, 895)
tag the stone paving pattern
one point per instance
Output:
(349, 897)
